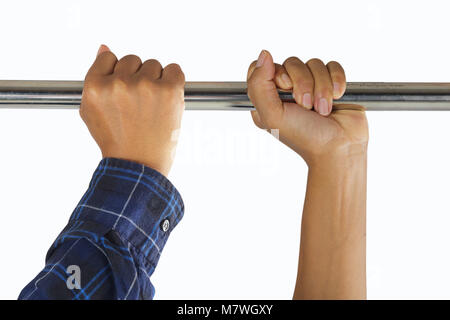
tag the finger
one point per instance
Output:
(172, 73)
(279, 81)
(104, 63)
(303, 81)
(263, 92)
(345, 106)
(254, 113)
(128, 65)
(151, 69)
(337, 74)
(282, 79)
(251, 68)
(323, 88)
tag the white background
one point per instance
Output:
(243, 190)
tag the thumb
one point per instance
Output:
(103, 48)
(262, 91)
(104, 62)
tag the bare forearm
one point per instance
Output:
(332, 139)
(332, 263)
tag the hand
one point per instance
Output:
(314, 134)
(132, 109)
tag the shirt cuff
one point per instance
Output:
(137, 202)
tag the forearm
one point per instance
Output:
(114, 237)
(332, 263)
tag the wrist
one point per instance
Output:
(339, 183)
(342, 158)
(339, 172)
(160, 165)
(337, 189)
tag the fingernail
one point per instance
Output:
(336, 88)
(261, 58)
(286, 80)
(323, 106)
(307, 101)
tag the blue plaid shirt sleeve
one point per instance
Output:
(114, 238)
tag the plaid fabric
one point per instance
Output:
(114, 237)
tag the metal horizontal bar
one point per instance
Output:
(36, 94)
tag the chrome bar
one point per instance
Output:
(38, 94)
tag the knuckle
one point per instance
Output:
(167, 88)
(305, 84)
(291, 60)
(174, 66)
(333, 63)
(108, 56)
(336, 67)
(144, 83)
(131, 57)
(119, 84)
(314, 61)
(152, 60)
(170, 93)
(92, 89)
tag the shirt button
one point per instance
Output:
(165, 225)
